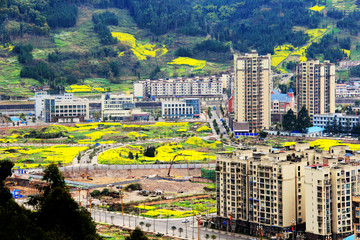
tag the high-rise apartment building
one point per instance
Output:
(252, 90)
(356, 216)
(328, 191)
(315, 87)
(276, 188)
(261, 187)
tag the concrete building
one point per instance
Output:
(346, 121)
(315, 87)
(356, 216)
(187, 108)
(260, 186)
(114, 104)
(252, 90)
(120, 107)
(347, 91)
(298, 184)
(60, 108)
(329, 190)
(181, 87)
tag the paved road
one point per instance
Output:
(162, 225)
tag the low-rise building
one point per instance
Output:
(345, 90)
(346, 121)
(281, 103)
(186, 108)
(121, 107)
(60, 108)
(116, 105)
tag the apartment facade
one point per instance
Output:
(346, 121)
(315, 87)
(260, 187)
(329, 192)
(252, 90)
(187, 108)
(356, 216)
(275, 188)
(181, 87)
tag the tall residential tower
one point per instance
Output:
(252, 90)
(315, 87)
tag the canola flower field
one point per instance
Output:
(31, 156)
(325, 144)
(141, 51)
(194, 149)
(317, 8)
(179, 209)
(284, 51)
(102, 133)
(84, 89)
(196, 64)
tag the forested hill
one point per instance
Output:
(118, 40)
(259, 24)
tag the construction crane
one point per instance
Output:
(172, 162)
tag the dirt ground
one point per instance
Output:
(111, 176)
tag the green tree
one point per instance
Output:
(148, 225)
(173, 228)
(142, 224)
(180, 231)
(137, 234)
(131, 155)
(303, 120)
(57, 212)
(263, 134)
(289, 122)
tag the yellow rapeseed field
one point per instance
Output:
(141, 51)
(197, 64)
(317, 8)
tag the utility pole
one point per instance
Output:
(121, 195)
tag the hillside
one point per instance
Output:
(109, 44)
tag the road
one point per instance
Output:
(162, 225)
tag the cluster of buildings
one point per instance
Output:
(297, 187)
(257, 105)
(348, 90)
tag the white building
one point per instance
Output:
(323, 120)
(344, 90)
(116, 105)
(60, 108)
(181, 87)
(186, 108)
